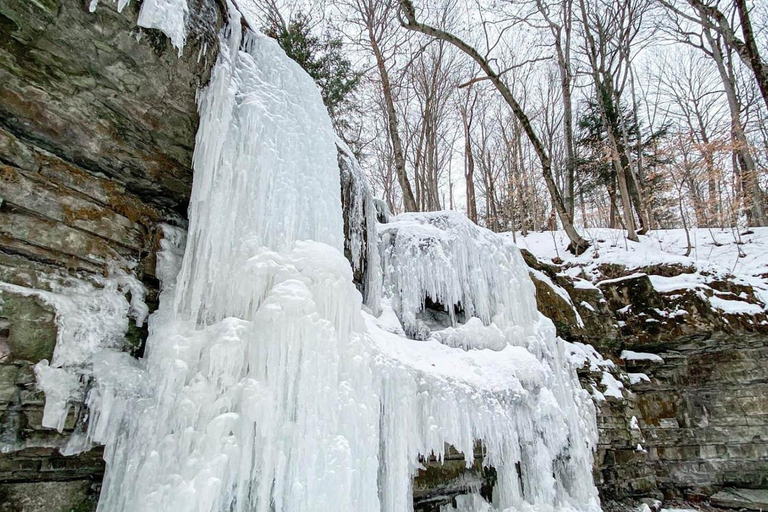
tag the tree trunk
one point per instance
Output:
(750, 186)
(409, 203)
(469, 167)
(758, 65)
(578, 244)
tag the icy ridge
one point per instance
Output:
(470, 271)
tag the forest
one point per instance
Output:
(547, 114)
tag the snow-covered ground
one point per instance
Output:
(715, 254)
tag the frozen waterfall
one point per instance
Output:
(266, 388)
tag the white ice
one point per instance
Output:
(265, 387)
(168, 16)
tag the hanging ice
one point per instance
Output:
(169, 16)
(266, 388)
(471, 272)
(361, 238)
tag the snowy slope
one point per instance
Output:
(720, 254)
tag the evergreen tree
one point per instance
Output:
(321, 58)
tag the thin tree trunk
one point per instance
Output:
(609, 115)
(750, 186)
(409, 203)
(578, 244)
(469, 167)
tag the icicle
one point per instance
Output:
(361, 235)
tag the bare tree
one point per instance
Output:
(610, 29)
(467, 109)
(560, 26)
(709, 14)
(375, 17)
(578, 244)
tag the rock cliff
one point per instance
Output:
(97, 129)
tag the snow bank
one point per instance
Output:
(717, 254)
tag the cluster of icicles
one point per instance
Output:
(266, 388)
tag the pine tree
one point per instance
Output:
(320, 57)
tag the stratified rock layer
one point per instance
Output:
(701, 421)
(97, 128)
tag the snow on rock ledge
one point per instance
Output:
(467, 271)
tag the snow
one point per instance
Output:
(265, 386)
(622, 278)
(629, 355)
(637, 378)
(734, 307)
(169, 16)
(581, 354)
(613, 386)
(716, 254)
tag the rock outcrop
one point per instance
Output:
(97, 128)
(693, 420)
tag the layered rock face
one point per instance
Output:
(97, 128)
(698, 423)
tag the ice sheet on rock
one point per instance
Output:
(382, 210)
(168, 16)
(91, 315)
(61, 387)
(361, 238)
(468, 270)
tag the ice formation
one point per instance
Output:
(266, 388)
(361, 238)
(468, 270)
(168, 16)
(91, 316)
